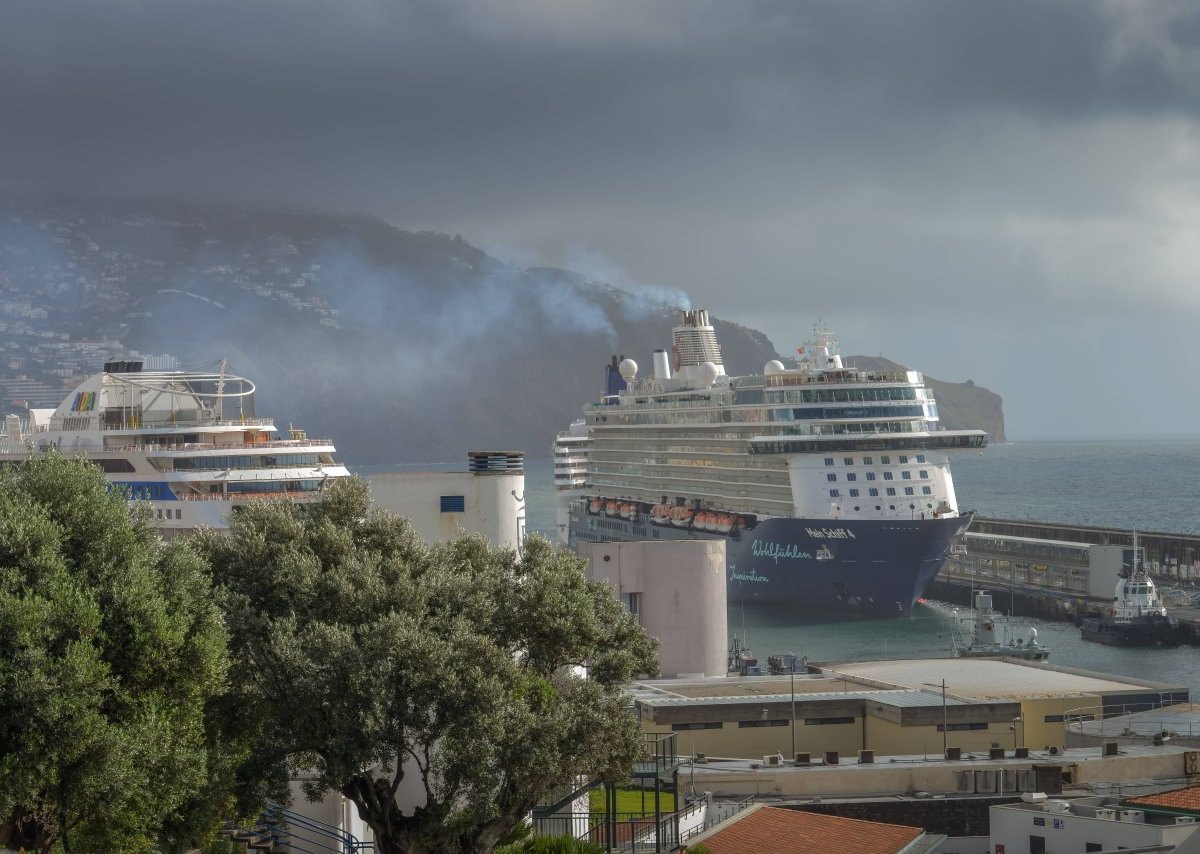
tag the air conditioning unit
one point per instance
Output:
(1060, 807)
(773, 759)
(1133, 816)
(1185, 819)
(1106, 813)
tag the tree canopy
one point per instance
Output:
(110, 646)
(379, 665)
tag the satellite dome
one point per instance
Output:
(707, 373)
(773, 367)
(628, 369)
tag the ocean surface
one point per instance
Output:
(1149, 484)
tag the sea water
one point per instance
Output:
(1148, 484)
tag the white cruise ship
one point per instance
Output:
(570, 472)
(831, 486)
(187, 442)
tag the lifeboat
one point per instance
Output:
(595, 506)
(661, 514)
(611, 508)
(628, 510)
(681, 517)
(724, 523)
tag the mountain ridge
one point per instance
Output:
(400, 346)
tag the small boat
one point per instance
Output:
(595, 506)
(984, 641)
(681, 516)
(1137, 616)
(660, 514)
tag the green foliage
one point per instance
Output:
(110, 645)
(551, 845)
(451, 665)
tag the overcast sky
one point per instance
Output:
(1002, 191)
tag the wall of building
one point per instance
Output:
(1037, 732)
(680, 597)
(889, 738)
(735, 741)
(493, 503)
(1012, 827)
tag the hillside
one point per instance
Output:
(401, 346)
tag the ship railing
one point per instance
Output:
(143, 424)
(1113, 721)
(281, 495)
(162, 447)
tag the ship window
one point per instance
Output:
(833, 493)
(831, 477)
(867, 461)
(454, 504)
(848, 461)
(885, 460)
(891, 490)
(870, 475)
(854, 493)
(924, 474)
(908, 490)
(903, 458)
(906, 475)
(925, 490)
(851, 476)
(920, 458)
(874, 493)
(178, 514)
(887, 475)
(829, 461)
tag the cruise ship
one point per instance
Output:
(831, 486)
(186, 442)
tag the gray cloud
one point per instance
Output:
(982, 187)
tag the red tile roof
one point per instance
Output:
(1187, 798)
(783, 831)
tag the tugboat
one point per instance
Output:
(1137, 617)
(985, 642)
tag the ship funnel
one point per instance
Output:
(662, 365)
(695, 342)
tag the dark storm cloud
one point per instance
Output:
(901, 166)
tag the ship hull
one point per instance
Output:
(1140, 631)
(852, 567)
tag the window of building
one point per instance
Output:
(1054, 719)
(454, 504)
(887, 475)
(868, 461)
(851, 476)
(1092, 846)
(924, 474)
(908, 490)
(885, 460)
(854, 493)
(891, 490)
(920, 458)
(962, 727)
(696, 725)
(873, 492)
(906, 475)
(833, 493)
(829, 461)
(848, 461)
(925, 490)
(870, 475)
(1037, 844)
(777, 722)
(831, 477)
(827, 721)
(903, 458)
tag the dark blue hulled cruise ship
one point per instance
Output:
(831, 486)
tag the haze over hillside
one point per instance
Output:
(400, 346)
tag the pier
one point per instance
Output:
(1062, 572)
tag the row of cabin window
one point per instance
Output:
(884, 460)
(887, 475)
(874, 493)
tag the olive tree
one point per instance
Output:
(111, 645)
(382, 666)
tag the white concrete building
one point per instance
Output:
(487, 499)
(677, 590)
(1040, 825)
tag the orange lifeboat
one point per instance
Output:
(596, 505)
(661, 514)
(681, 517)
(724, 523)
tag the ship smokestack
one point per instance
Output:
(695, 342)
(662, 365)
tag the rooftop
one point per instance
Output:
(785, 831)
(991, 679)
(1186, 799)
